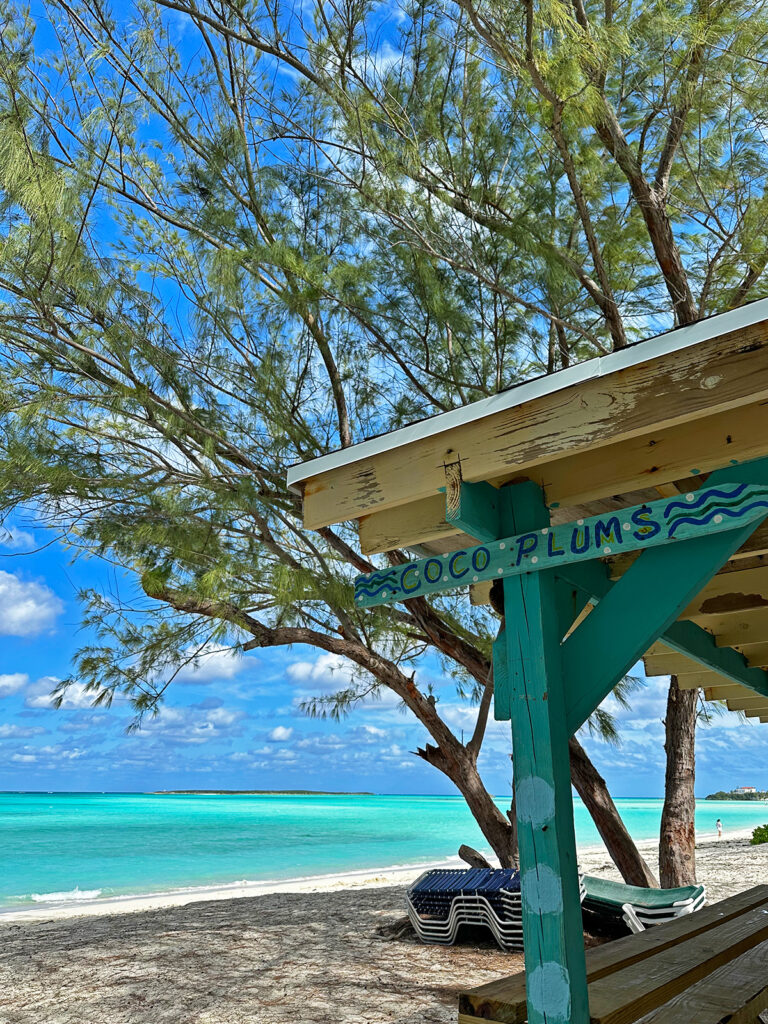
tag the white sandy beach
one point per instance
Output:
(304, 951)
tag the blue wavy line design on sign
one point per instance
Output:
(377, 582)
(717, 510)
(706, 495)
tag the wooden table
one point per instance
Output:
(707, 968)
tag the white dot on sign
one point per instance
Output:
(579, 522)
(607, 550)
(689, 497)
(474, 579)
(445, 579)
(384, 593)
(625, 526)
(499, 571)
(718, 519)
(502, 545)
(535, 559)
(545, 530)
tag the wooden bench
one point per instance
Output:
(707, 968)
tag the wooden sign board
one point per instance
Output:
(708, 510)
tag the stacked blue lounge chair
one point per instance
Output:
(442, 900)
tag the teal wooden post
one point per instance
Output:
(552, 926)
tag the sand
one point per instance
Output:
(275, 958)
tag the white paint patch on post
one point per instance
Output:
(549, 992)
(535, 801)
(542, 891)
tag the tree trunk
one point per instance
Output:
(677, 848)
(501, 833)
(591, 787)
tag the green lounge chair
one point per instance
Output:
(639, 907)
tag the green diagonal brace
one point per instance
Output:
(639, 608)
(643, 605)
(684, 637)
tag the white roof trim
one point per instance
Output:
(640, 352)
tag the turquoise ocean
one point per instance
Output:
(62, 847)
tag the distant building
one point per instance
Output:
(744, 789)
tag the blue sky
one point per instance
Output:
(235, 722)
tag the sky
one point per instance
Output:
(235, 722)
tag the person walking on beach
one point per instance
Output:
(719, 827)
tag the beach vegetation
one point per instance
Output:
(759, 835)
(236, 236)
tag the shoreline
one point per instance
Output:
(592, 858)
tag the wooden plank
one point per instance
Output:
(739, 628)
(725, 513)
(503, 1000)
(665, 391)
(669, 665)
(755, 712)
(752, 703)
(626, 995)
(589, 476)
(650, 458)
(698, 680)
(727, 690)
(756, 655)
(733, 994)
(731, 592)
(480, 593)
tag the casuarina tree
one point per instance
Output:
(239, 235)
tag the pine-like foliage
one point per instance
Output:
(237, 235)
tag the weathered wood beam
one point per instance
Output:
(747, 703)
(669, 664)
(736, 630)
(699, 382)
(726, 690)
(697, 680)
(732, 592)
(612, 469)
(756, 655)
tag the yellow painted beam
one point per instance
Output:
(698, 680)
(737, 629)
(617, 468)
(698, 383)
(732, 592)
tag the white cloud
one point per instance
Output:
(26, 608)
(76, 696)
(19, 732)
(325, 670)
(23, 758)
(210, 664)
(12, 683)
(280, 734)
(329, 673)
(11, 537)
(193, 725)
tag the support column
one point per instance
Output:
(552, 924)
